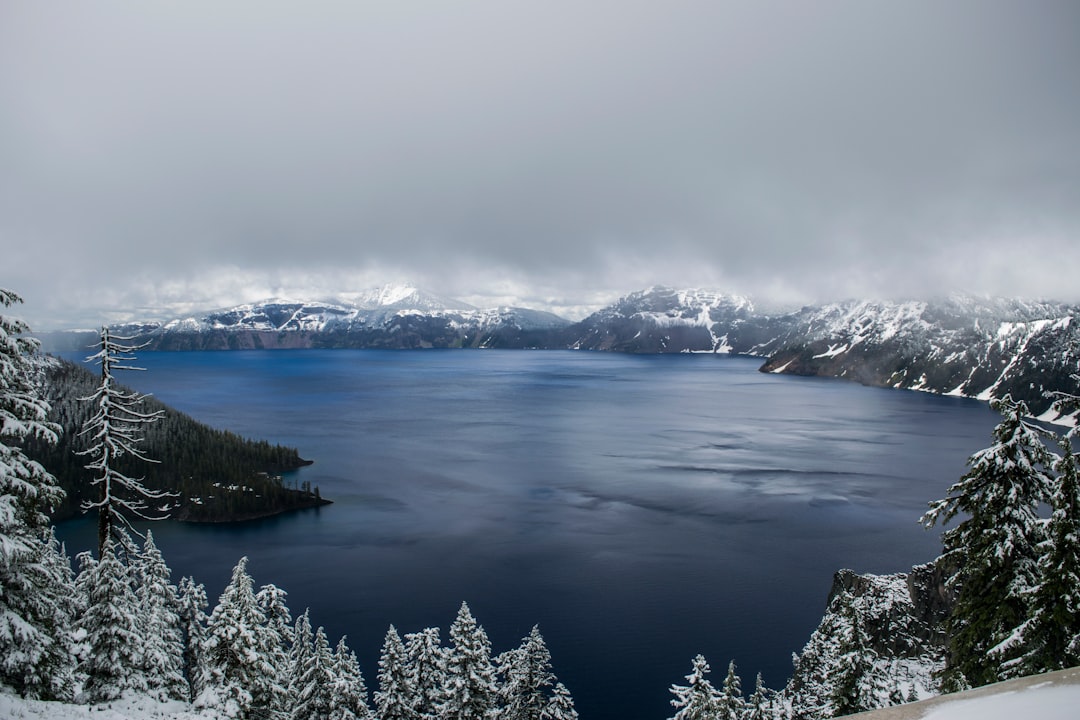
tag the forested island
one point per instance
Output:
(218, 476)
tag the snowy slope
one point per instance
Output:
(889, 626)
(960, 345)
(662, 319)
(1052, 696)
(965, 346)
(13, 707)
(391, 316)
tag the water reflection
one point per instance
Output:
(641, 509)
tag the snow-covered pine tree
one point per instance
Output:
(85, 561)
(698, 699)
(471, 690)
(393, 699)
(995, 548)
(192, 613)
(527, 678)
(114, 663)
(426, 669)
(1050, 639)
(33, 641)
(560, 706)
(271, 601)
(808, 692)
(163, 647)
(239, 678)
(760, 706)
(115, 431)
(52, 676)
(732, 704)
(317, 680)
(348, 696)
(853, 684)
(303, 642)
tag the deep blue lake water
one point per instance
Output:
(640, 509)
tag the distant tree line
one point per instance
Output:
(218, 475)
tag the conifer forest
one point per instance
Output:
(112, 622)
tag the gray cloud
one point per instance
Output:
(196, 153)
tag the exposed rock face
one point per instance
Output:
(660, 320)
(959, 346)
(882, 634)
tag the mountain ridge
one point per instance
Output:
(962, 345)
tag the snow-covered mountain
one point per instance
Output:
(962, 345)
(959, 345)
(662, 319)
(392, 316)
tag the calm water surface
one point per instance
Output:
(640, 509)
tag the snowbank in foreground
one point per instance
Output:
(131, 708)
(1043, 697)
(1043, 701)
(1050, 696)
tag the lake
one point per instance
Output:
(640, 508)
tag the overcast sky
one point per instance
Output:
(157, 157)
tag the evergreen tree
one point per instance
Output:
(426, 672)
(303, 643)
(896, 695)
(271, 601)
(33, 642)
(995, 548)
(239, 678)
(527, 678)
(760, 704)
(348, 696)
(560, 706)
(698, 699)
(317, 681)
(854, 686)
(85, 561)
(114, 660)
(1050, 639)
(52, 675)
(115, 432)
(163, 647)
(731, 697)
(471, 690)
(192, 615)
(393, 698)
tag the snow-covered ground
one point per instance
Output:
(131, 708)
(1053, 696)
(1044, 700)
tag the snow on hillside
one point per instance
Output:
(1050, 696)
(1042, 699)
(1043, 702)
(129, 708)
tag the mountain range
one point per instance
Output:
(958, 345)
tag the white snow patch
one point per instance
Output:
(783, 367)
(1052, 417)
(1046, 703)
(128, 708)
(835, 350)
